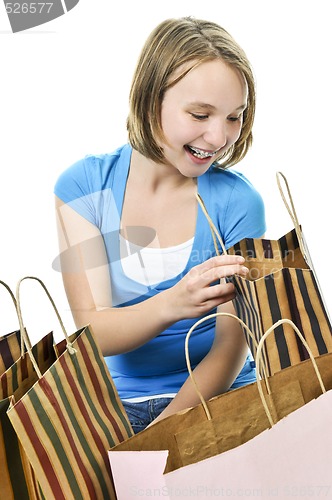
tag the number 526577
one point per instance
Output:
(28, 8)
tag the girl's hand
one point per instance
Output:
(194, 295)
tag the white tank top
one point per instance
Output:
(149, 266)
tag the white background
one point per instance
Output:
(64, 93)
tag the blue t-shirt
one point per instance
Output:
(95, 188)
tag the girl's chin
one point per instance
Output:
(194, 169)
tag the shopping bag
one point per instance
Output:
(230, 419)
(292, 457)
(70, 418)
(10, 349)
(281, 283)
(291, 460)
(17, 478)
(17, 375)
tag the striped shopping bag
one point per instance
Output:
(281, 284)
(17, 375)
(17, 479)
(10, 349)
(69, 419)
(290, 292)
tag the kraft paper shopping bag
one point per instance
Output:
(70, 418)
(231, 419)
(291, 458)
(17, 375)
(281, 283)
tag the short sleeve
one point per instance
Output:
(237, 206)
(244, 216)
(77, 187)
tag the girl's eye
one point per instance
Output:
(199, 117)
(234, 118)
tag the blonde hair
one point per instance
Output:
(173, 43)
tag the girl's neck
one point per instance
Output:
(156, 176)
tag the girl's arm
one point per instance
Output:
(87, 284)
(216, 373)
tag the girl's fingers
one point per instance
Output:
(224, 291)
(221, 260)
(216, 295)
(208, 276)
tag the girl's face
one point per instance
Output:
(202, 116)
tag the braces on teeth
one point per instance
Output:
(199, 153)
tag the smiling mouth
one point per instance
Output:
(200, 153)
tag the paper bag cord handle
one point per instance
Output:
(207, 412)
(258, 359)
(292, 212)
(214, 230)
(11, 293)
(290, 208)
(23, 331)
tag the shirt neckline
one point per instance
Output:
(120, 179)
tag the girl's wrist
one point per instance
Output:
(169, 310)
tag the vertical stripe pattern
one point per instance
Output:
(17, 478)
(10, 350)
(281, 285)
(69, 420)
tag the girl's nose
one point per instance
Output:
(216, 134)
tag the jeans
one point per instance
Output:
(142, 414)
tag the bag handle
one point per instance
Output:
(292, 212)
(24, 334)
(11, 293)
(206, 409)
(258, 360)
(214, 230)
(289, 206)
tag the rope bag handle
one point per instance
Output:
(292, 213)
(24, 334)
(258, 361)
(200, 321)
(12, 295)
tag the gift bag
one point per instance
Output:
(17, 375)
(291, 457)
(230, 419)
(291, 460)
(68, 420)
(281, 283)
(17, 480)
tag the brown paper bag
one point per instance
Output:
(292, 459)
(231, 419)
(281, 284)
(69, 418)
(17, 479)
(17, 375)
